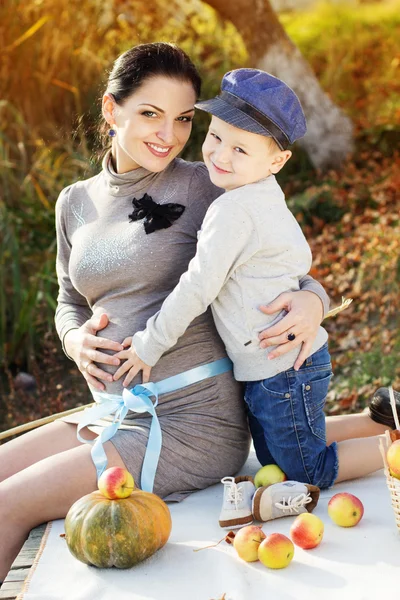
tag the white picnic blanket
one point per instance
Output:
(359, 563)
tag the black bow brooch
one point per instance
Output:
(156, 216)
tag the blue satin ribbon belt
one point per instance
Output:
(138, 400)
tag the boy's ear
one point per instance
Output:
(280, 159)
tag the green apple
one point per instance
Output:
(268, 475)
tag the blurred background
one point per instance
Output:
(343, 60)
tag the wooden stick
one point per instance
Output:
(338, 309)
(394, 408)
(33, 424)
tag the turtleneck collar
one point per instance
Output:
(124, 184)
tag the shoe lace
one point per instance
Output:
(234, 494)
(292, 504)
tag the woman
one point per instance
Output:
(119, 256)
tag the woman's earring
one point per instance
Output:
(112, 132)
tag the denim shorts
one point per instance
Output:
(287, 421)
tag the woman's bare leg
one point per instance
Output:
(38, 444)
(44, 491)
(348, 427)
(358, 444)
(359, 457)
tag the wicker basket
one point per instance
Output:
(392, 482)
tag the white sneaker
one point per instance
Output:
(284, 499)
(237, 508)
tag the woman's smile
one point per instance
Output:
(157, 150)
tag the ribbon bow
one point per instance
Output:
(137, 400)
(156, 216)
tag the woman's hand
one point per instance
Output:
(82, 346)
(132, 364)
(305, 312)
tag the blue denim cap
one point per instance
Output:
(258, 102)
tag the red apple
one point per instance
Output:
(307, 531)
(393, 459)
(276, 551)
(345, 509)
(247, 541)
(116, 482)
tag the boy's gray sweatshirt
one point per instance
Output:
(250, 249)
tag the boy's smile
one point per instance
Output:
(235, 157)
(219, 170)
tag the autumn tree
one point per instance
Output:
(329, 137)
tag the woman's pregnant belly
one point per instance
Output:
(200, 344)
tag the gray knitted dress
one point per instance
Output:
(107, 264)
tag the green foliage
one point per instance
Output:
(315, 204)
(354, 50)
(365, 369)
(31, 174)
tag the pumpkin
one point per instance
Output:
(117, 533)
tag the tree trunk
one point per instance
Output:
(329, 137)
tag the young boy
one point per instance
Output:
(250, 248)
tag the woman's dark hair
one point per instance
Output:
(145, 61)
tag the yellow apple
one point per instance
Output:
(116, 482)
(276, 551)
(247, 541)
(345, 509)
(268, 475)
(393, 459)
(307, 531)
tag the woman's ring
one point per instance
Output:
(85, 368)
(291, 337)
